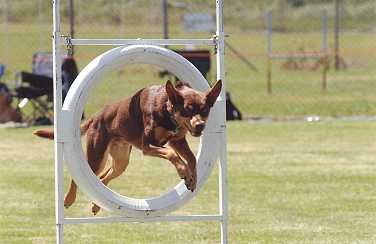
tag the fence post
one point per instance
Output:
(71, 23)
(269, 19)
(324, 27)
(165, 18)
(336, 34)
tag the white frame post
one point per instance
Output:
(223, 208)
(58, 144)
(58, 42)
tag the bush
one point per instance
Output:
(296, 3)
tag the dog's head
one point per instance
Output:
(191, 108)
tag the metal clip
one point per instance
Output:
(215, 39)
(69, 44)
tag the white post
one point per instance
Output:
(223, 208)
(58, 145)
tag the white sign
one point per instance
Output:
(198, 22)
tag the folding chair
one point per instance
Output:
(36, 88)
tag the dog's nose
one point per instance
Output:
(200, 127)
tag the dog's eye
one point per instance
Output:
(204, 112)
(186, 113)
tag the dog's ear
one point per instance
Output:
(173, 95)
(213, 93)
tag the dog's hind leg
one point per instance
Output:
(70, 197)
(97, 147)
(97, 152)
(120, 153)
(97, 155)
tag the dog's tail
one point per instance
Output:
(49, 134)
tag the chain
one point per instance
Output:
(69, 44)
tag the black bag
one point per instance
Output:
(232, 112)
(69, 72)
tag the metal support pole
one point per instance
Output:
(324, 27)
(324, 49)
(124, 219)
(269, 19)
(323, 86)
(269, 75)
(325, 73)
(123, 17)
(140, 41)
(223, 208)
(336, 34)
(165, 18)
(269, 23)
(58, 145)
(71, 23)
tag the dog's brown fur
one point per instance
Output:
(150, 119)
(7, 112)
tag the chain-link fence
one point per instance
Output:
(293, 85)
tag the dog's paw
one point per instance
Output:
(95, 209)
(190, 184)
(194, 179)
(191, 181)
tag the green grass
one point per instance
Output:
(288, 183)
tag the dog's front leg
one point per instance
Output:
(182, 148)
(169, 154)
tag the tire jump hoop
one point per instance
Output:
(67, 118)
(209, 146)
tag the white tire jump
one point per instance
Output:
(73, 107)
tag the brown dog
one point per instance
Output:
(150, 119)
(7, 112)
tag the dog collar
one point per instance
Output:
(175, 123)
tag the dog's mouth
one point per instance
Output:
(193, 131)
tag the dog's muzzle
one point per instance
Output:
(197, 130)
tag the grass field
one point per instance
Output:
(289, 182)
